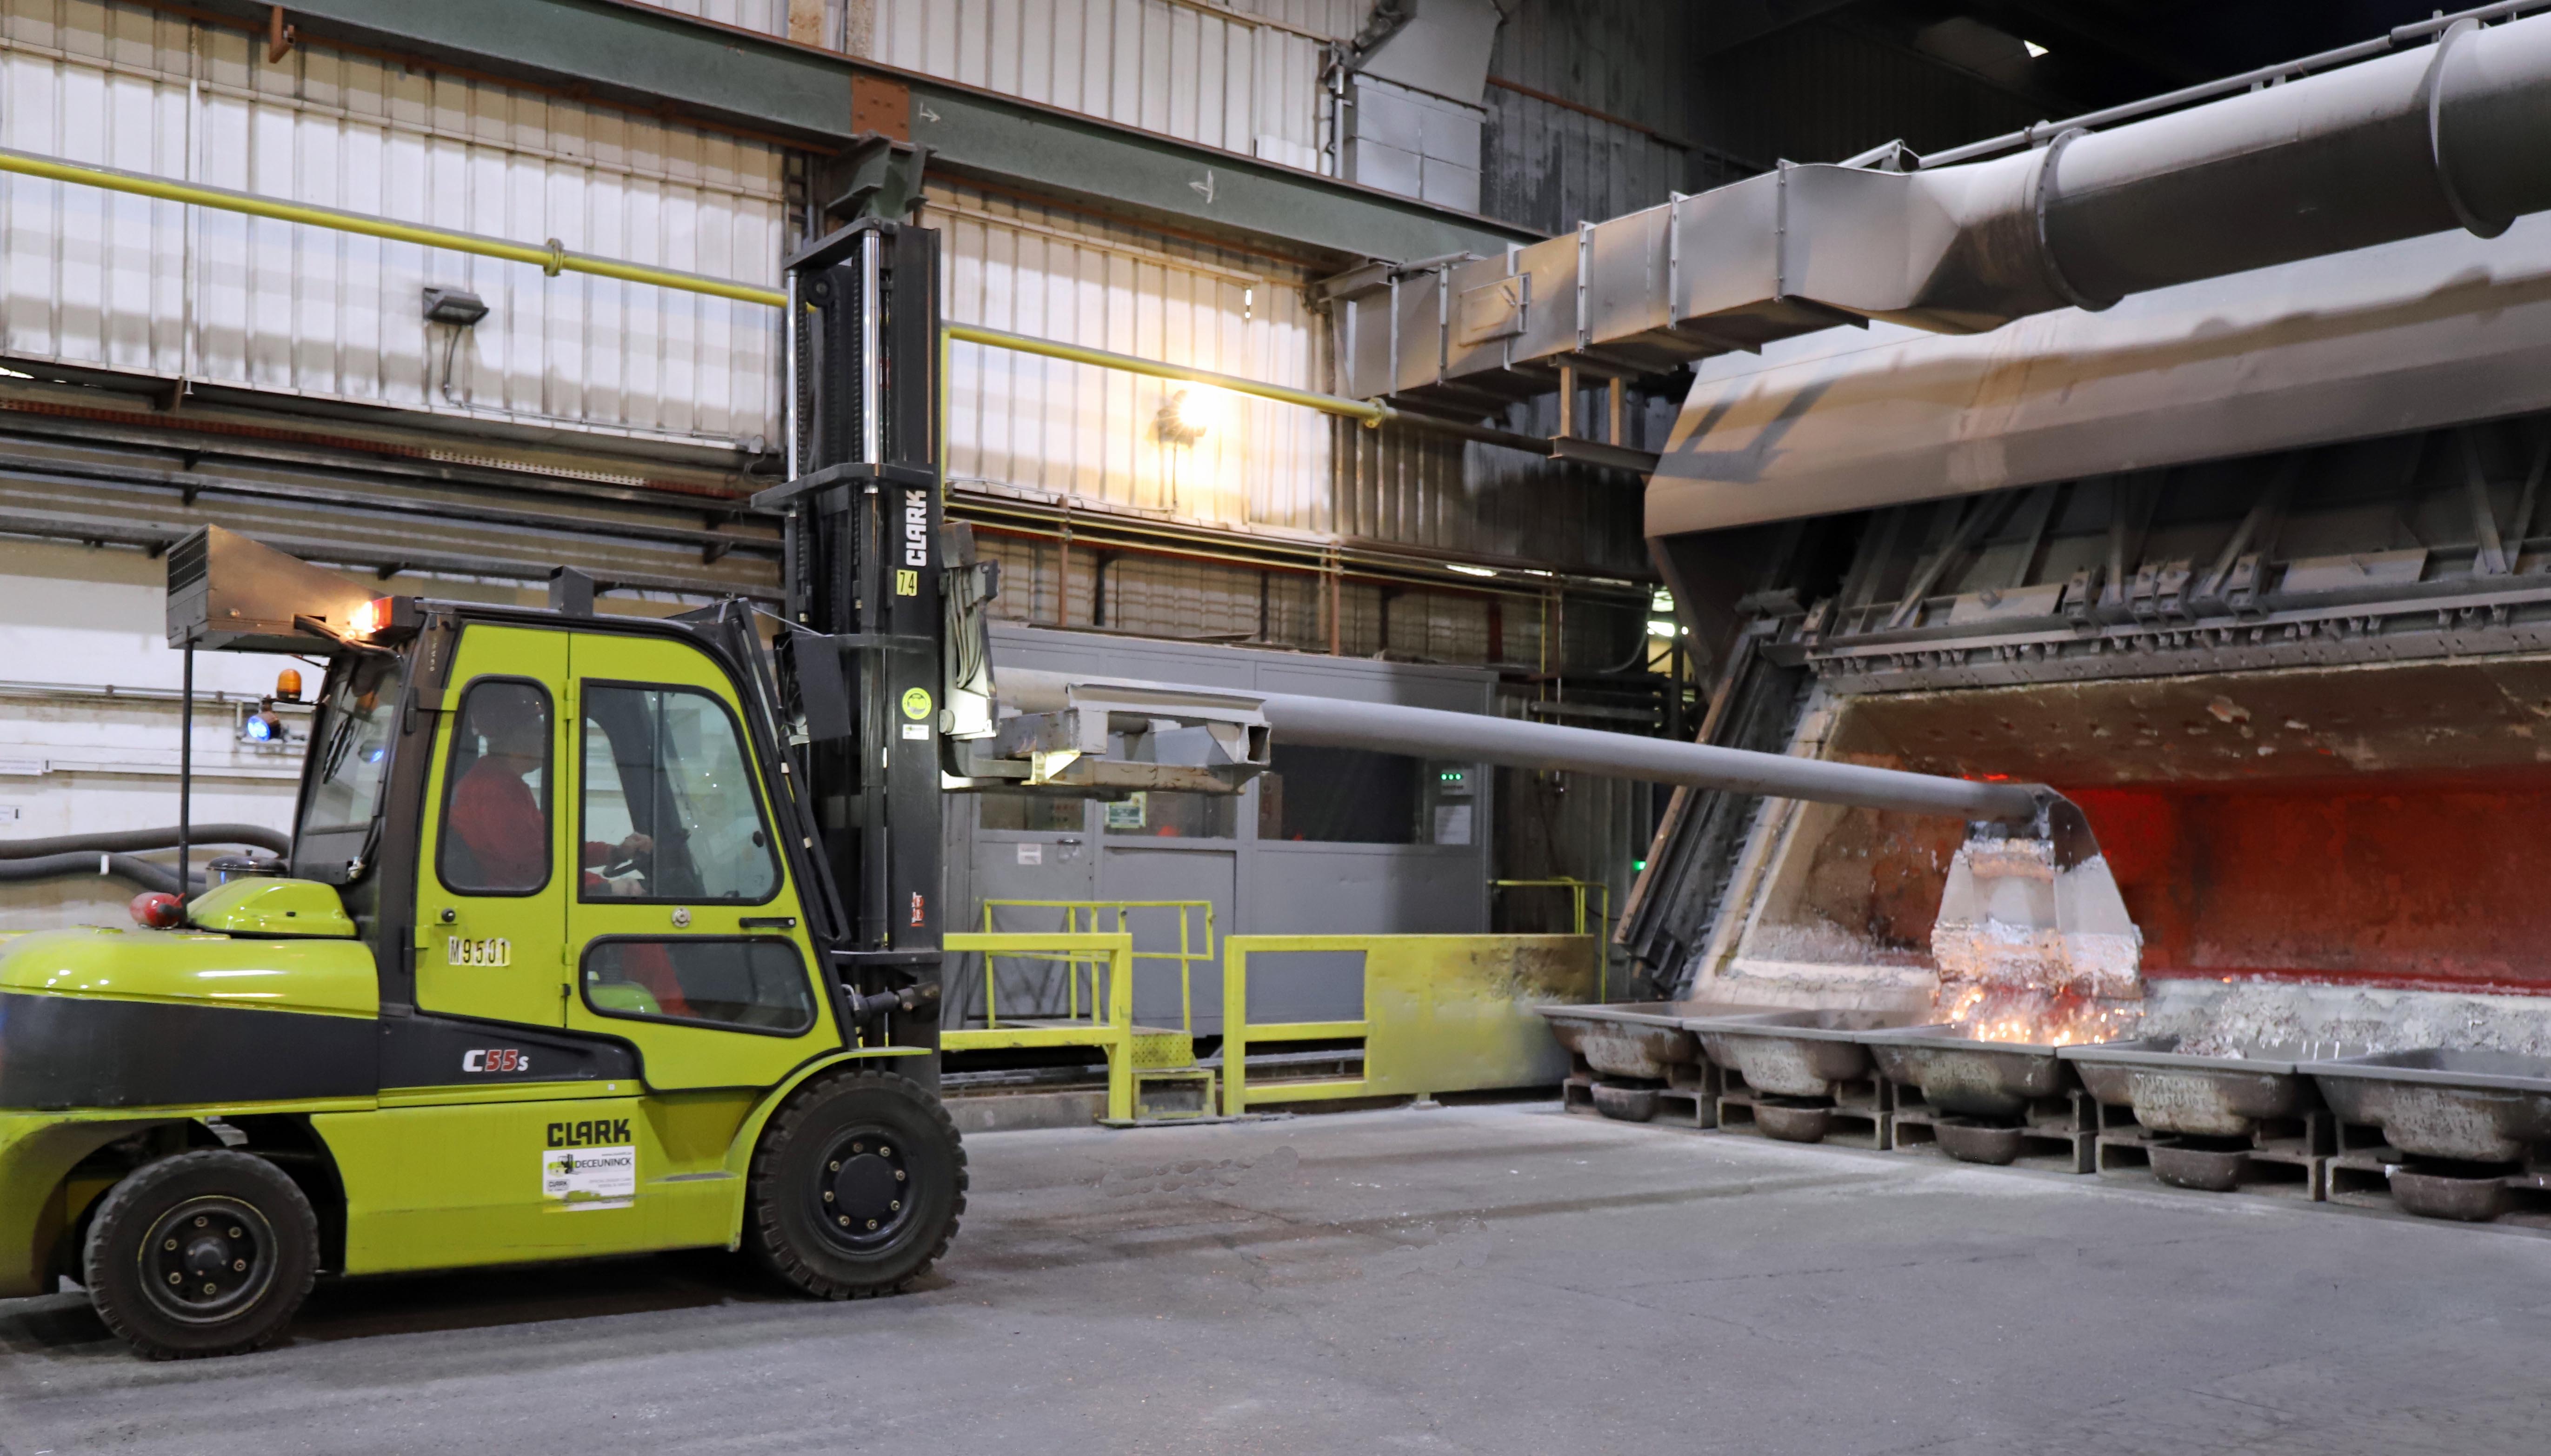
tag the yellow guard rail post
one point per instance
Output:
(1111, 1030)
(1440, 1013)
(1081, 917)
(1576, 889)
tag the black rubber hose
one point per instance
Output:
(134, 841)
(130, 867)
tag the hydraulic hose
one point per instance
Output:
(134, 841)
(127, 868)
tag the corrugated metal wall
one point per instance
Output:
(1050, 432)
(1181, 70)
(1158, 593)
(770, 17)
(1242, 76)
(1021, 422)
(1418, 488)
(1550, 167)
(1568, 825)
(1823, 90)
(155, 288)
(836, 19)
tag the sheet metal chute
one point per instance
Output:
(1104, 736)
(2451, 135)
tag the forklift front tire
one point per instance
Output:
(204, 1253)
(857, 1187)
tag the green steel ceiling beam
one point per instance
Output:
(637, 54)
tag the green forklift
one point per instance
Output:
(596, 935)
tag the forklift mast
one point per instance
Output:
(858, 658)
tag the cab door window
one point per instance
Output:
(669, 811)
(350, 763)
(755, 984)
(495, 836)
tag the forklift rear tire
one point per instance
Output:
(857, 1188)
(205, 1253)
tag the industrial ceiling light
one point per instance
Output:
(2033, 49)
(458, 307)
(1470, 570)
(1189, 414)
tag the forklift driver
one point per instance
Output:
(500, 821)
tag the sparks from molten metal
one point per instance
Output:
(2032, 952)
(2034, 1015)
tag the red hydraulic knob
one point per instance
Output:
(157, 909)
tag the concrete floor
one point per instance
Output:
(1461, 1279)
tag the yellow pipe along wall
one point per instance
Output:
(553, 258)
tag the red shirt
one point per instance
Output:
(494, 813)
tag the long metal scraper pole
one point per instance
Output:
(1328, 722)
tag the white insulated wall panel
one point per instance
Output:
(770, 17)
(1186, 72)
(1055, 429)
(103, 279)
(1335, 20)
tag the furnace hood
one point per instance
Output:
(2431, 331)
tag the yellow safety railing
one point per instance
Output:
(1576, 889)
(1108, 961)
(1440, 1013)
(553, 257)
(1083, 917)
(550, 257)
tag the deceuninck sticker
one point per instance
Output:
(590, 1177)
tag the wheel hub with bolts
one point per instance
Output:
(863, 1192)
(207, 1258)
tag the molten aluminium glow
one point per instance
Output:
(2030, 951)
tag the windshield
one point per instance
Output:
(350, 751)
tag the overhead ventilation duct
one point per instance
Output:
(2452, 135)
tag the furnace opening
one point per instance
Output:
(2374, 825)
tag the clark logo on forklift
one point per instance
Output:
(916, 528)
(497, 1058)
(599, 1132)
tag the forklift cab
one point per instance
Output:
(595, 832)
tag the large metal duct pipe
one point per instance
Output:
(1327, 722)
(2451, 135)
(2455, 134)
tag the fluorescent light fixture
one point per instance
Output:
(1470, 570)
(2034, 49)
